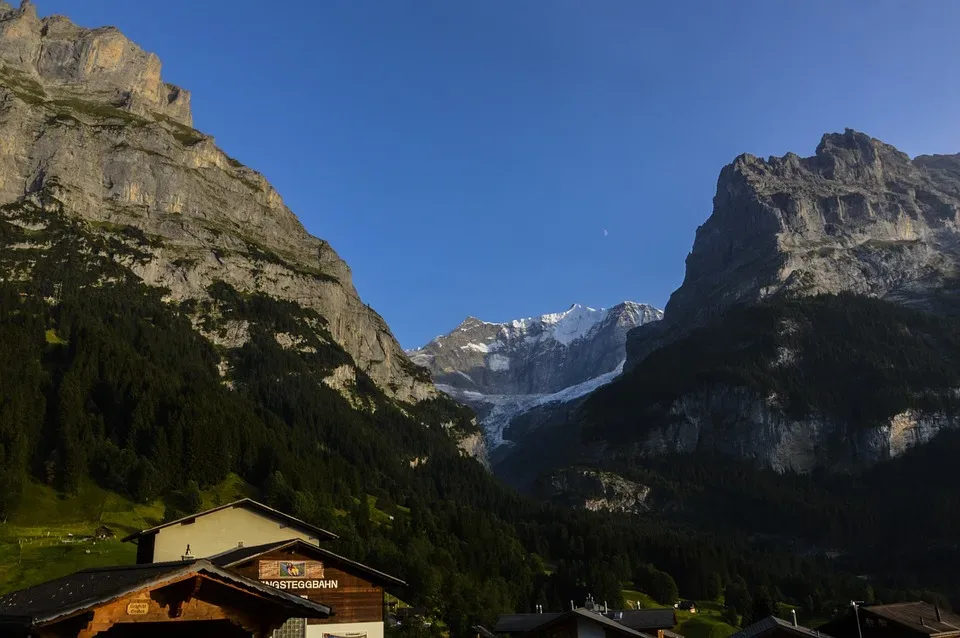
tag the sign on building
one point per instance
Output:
(299, 574)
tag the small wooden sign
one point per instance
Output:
(139, 608)
(310, 569)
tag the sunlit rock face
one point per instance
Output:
(859, 216)
(86, 116)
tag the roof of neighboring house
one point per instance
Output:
(522, 623)
(771, 623)
(247, 503)
(233, 557)
(90, 587)
(910, 615)
(484, 632)
(641, 619)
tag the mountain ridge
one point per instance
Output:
(858, 216)
(88, 120)
(796, 247)
(505, 369)
(480, 345)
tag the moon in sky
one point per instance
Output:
(605, 233)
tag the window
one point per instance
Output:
(293, 628)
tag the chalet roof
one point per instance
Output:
(91, 587)
(644, 619)
(247, 503)
(523, 623)
(920, 617)
(484, 632)
(599, 619)
(239, 555)
(772, 623)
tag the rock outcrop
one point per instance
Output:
(736, 422)
(98, 63)
(85, 115)
(594, 490)
(859, 216)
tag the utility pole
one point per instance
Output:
(856, 613)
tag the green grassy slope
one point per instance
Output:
(708, 622)
(43, 538)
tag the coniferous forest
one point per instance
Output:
(104, 379)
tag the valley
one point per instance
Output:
(172, 339)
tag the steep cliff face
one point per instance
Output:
(85, 115)
(859, 216)
(99, 63)
(839, 382)
(737, 422)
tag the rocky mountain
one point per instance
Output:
(86, 118)
(859, 216)
(505, 369)
(756, 358)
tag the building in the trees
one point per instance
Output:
(283, 552)
(185, 598)
(589, 621)
(103, 533)
(773, 627)
(906, 620)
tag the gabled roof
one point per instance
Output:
(771, 623)
(920, 617)
(641, 619)
(91, 587)
(523, 623)
(233, 557)
(597, 618)
(247, 503)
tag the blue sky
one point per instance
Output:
(466, 157)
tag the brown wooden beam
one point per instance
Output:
(197, 582)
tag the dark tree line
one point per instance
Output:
(855, 359)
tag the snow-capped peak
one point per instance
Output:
(503, 369)
(564, 327)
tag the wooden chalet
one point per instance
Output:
(262, 544)
(906, 620)
(183, 598)
(354, 591)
